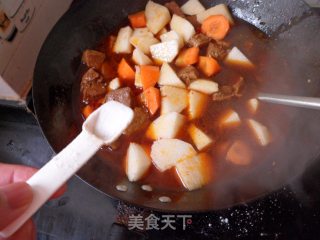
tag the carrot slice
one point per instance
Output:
(209, 66)
(149, 76)
(86, 111)
(138, 19)
(188, 57)
(152, 99)
(125, 71)
(216, 27)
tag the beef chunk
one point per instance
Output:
(92, 85)
(228, 92)
(140, 121)
(93, 58)
(174, 8)
(188, 74)
(225, 93)
(122, 95)
(199, 40)
(218, 49)
(193, 20)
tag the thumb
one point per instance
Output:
(14, 199)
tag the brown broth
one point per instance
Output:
(255, 46)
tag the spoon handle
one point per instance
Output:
(305, 102)
(54, 174)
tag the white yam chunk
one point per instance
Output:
(165, 51)
(260, 132)
(169, 77)
(192, 7)
(114, 84)
(204, 86)
(197, 104)
(137, 77)
(142, 38)
(157, 16)
(236, 57)
(166, 126)
(166, 153)
(122, 44)
(137, 162)
(253, 105)
(173, 99)
(195, 172)
(199, 138)
(140, 58)
(182, 26)
(239, 153)
(220, 9)
(230, 118)
(172, 35)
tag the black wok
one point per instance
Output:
(290, 23)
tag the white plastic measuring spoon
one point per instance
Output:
(103, 126)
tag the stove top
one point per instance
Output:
(292, 212)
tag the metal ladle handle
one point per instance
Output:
(295, 101)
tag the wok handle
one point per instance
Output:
(295, 101)
(54, 174)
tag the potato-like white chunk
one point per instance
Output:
(253, 105)
(137, 162)
(236, 57)
(166, 153)
(140, 58)
(182, 26)
(114, 84)
(195, 172)
(122, 44)
(230, 119)
(137, 77)
(192, 7)
(172, 35)
(220, 9)
(169, 77)
(260, 132)
(157, 16)
(173, 99)
(239, 153)
(166, 126)
(142, 38)
(204, 86)
(197, 104)
(165, 51)
(199, 138)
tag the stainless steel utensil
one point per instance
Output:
(295, 101)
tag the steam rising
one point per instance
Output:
(297, 131)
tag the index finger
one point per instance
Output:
(11, 173)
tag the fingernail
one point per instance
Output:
(17, 195)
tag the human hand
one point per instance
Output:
(15, 197)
